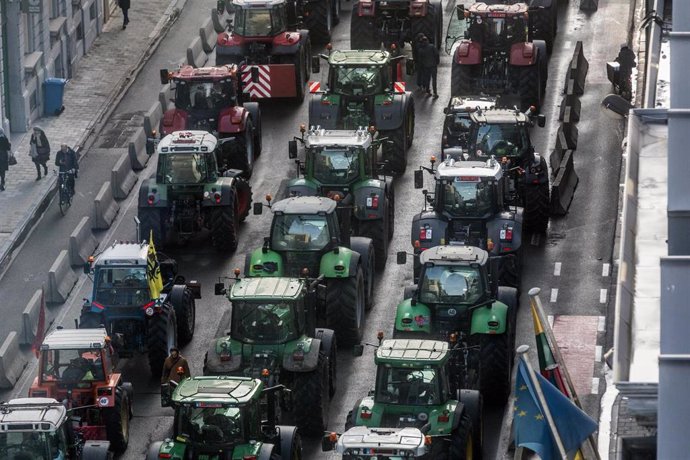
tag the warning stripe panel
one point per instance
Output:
(274, 80)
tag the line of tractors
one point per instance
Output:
(308, 288)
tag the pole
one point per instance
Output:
(522, 352)
(535, 302)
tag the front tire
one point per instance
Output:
(320, 21)
(362, 31)
(310, 395)
(151, 221)
(462, 79)
(461, 440)
(116, 421)
(494, 366)
(536, 203)
(378, 231)
(345, 306)
(161, 337)
(224, 227)
(394, 150)
(185, 312)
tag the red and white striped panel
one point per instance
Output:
(260, 89)
(399, 87)
(314, 86)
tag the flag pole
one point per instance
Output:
(522, 352)
(536, 304)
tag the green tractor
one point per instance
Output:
(273, 336)
(366, 88)
(457, 300)
(339, 163)
(307, 238)
(224, 418)
(414, 389)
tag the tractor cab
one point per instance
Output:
(502, 133)
(360, 74)
(457, 122)
(496, 26)
(254, 19)
(187, 160)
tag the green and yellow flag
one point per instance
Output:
(153, 271)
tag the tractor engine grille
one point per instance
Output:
(296, 261)
(186, 214)
(470, 233)
(448, 319)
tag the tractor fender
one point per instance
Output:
(230, 44)
(481, 317)
(227, 193)
(468, 52)
(173, 120)
(342, 264)
(159, 192)
(430, 222)
(362, 246)
(364, 193)
(471, 403)
(412, 318)
(354, 414)
(267, 451)
(176, 296)
(301, 187)
(523, 54)
(265, 262)
(325, 115)
(106, 392)
(327, 338)
(377, 411)
(213, 365)
(288, 438)
(311, 348)
(391, 114)
(232, 120)
(255, 111)
(501, 222)
(288, 43)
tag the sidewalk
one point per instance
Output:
(101, 79)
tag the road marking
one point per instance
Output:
(576, 337)
(554, 295)
(601, 327)
(550, 320)
(557, 269)
(603, 293)
(536, 238)
(595, 385)
(606, 270)
(597, 354)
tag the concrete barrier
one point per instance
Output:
(122, 177)
(61, 279)
(12, 361)
(30, 319)
(164, 97)
(196, 57)
(81, 243)
(563, 187)
(570, 135)
(138, 156)
(208, 36)
(218, 24)
(105, 208)
(152, 119)
(570, 109)
(577, 72)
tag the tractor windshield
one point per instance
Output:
(357, 81)
(264, 322)
(296, 232)
(405, 386)
(34, 445)
(78, 367)
(497, 31)
(260, 22)
(468, 196)
(451, 285)
(457, 129)
(501, 140)
(210, 425)
(204, 95)
(121, 286)
(336, 166)
(184, 168)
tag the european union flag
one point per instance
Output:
(529, 423)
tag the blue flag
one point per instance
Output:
(530, 427)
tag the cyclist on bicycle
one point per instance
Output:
(66, 160)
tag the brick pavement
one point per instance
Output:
(101, 76)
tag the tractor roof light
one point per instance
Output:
(427, 440)
(236, 272)
(269, 198)
(333, 436)
(489, 244)
(265, 373)
(432, 160)
(302, 128)
(379, 336)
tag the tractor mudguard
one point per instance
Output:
(523, 54)
(342, 264)
(468, 53)
(288, 43)
(497, 312)
(324, 110)
(255, 111)
(450, 408)
(229, 44)
(301, 187)
(327, 338)
(231, 360)
(99, 449)
(232, 120)
(503, 221)
(361, 245)
(159, 192)
(176, 296)
(227, 193)
(434, 229)
(106, 391)
(265, 262)
(413, 318)
(367, 405)
(367, 193)
(389, 110)
(174, 120)
(288, 438)
(471, 400)
(310, 347)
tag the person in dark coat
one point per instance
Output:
(415, 58)
(5, 149)
(66, 160)
(39, 150)
(429, 60)
(175, 367)
(124, 5)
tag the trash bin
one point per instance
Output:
(53, 92)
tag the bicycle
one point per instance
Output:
(65, 189)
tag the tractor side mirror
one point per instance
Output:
(87, 268)
(541, 120)
(401, 257)
(292, 149)
(357, 350)
(418, 178)
(315, 64)
(328, 442)
(460, 11)
(165, 78)
(445, 110)
(258, 209)
(219, 289)
(166, 393)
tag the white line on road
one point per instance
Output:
(550, 320)
(601, 327)
(606, 270)
(597, 354)
(557, 269)
(554, 295)
(603, 293)
(595, 385)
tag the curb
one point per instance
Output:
(25, 228)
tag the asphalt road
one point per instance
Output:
(580, 243)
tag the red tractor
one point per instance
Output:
(273, 60)
(498, 56)
(209, 99)
(77, 366)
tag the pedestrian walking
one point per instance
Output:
(175, 367)
(124, 6)
(429, 60)
(5, 152)
(66, 160)
(39, 151)
(416, 44)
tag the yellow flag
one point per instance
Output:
(153, 271)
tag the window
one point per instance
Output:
(80, 31)
(264, 322)
(92, 11)
(300, 232)
(407, 386)
(336, 166)
(468, 196)
(451, 285)
(124, 286)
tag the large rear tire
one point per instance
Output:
(116, 421)
(241, 153)
(345, 307)
(395, 151)
(185, 313)
(530, 86)
(378, 231)
(151, 221)
(362, 31)
(461, 440)
(494, 367)
(462, 79)
(320, 21)
(224, 227)
(310, 394)
(430, 25)
(536, 203)
(542, 23)
(162, 335)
